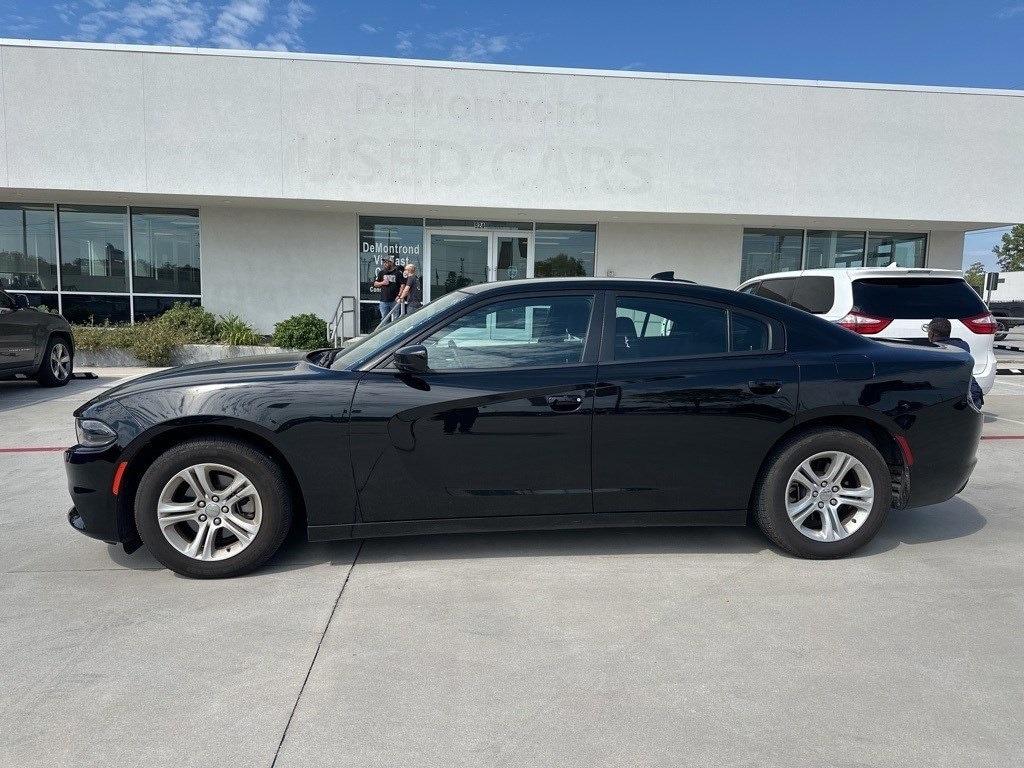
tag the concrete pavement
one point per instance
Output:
(702, 647)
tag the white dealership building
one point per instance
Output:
(269, 184)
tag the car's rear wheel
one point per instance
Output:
(213, 508)
(824, 493)
(58, 364)
(1002, 329)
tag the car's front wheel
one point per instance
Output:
(213, 508)
(58, 364)
(824, 493)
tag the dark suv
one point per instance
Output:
(34, 343)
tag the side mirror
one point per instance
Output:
(412, 359)
(21, 301)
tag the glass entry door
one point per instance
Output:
(456, 259)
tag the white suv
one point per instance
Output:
(890, 303)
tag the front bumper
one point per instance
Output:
(90, 474)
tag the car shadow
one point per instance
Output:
(941, 522)
(22, 393)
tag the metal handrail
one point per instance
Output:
(336, 326)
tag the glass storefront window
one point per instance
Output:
(165, 251)
(904, 248)
(770, 250)
(148, 307)
(841, 250)
(381, 237)
(85, 309)
(565, 250)
(93, 243)
(28, 253)
(45, 300)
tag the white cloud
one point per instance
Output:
(225, 24)
(236, 21)
(369, 29)
(634, 65)
(403, 42)
(1010, 11)
(286, 36)
(465, 44)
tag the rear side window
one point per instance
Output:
(916, 298)
(814, 294)
(778, 290)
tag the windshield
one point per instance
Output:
(371, 344)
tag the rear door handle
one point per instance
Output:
(565, 403)
(764, 387)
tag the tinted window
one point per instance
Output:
(752, 288)
(778, 290)
(649, 327)
(749, 334)
(814, 294)
(922, 298)
(92, 249)
(770, 250)
(165, 251)
(518, 333)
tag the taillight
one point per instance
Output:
(980, 323)
(866, 324)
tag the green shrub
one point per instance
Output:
(106, 336)
(152, 341)
(300, 332)
(233, 330)
(193, 325)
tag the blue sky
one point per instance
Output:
(974, 43)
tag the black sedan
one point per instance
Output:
(532, 404)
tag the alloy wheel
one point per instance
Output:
(60, 361)
(209, 511)
(829, 496)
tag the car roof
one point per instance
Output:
(679, 287)
(856, 273)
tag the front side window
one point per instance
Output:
(517, 333)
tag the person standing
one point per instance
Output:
(389, 281)
(411, 294)
(939, 332)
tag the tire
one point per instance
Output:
(58, 363)
(171, 484)
(785, 487)
(1002, 330)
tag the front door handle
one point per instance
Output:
(764, 387)
(565, 403)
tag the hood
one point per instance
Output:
(217, 372)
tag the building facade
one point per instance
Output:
(270, 184)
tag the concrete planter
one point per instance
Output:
(183, 355)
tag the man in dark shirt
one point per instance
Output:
(939, 331)
(389, 280)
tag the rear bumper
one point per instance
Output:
(945, 448)
(987, 376)
(90, 475)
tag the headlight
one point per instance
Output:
(93, 433)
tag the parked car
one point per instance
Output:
(890, 303)
(548, 403)
(38, 344)
(1008, 314)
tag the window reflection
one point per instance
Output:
(148, 307)
(165, 251)
(766, 251)
(28, 259)
(92, 249)
(903, 248)
(79, 308)
(564, 250)
(841, 250)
